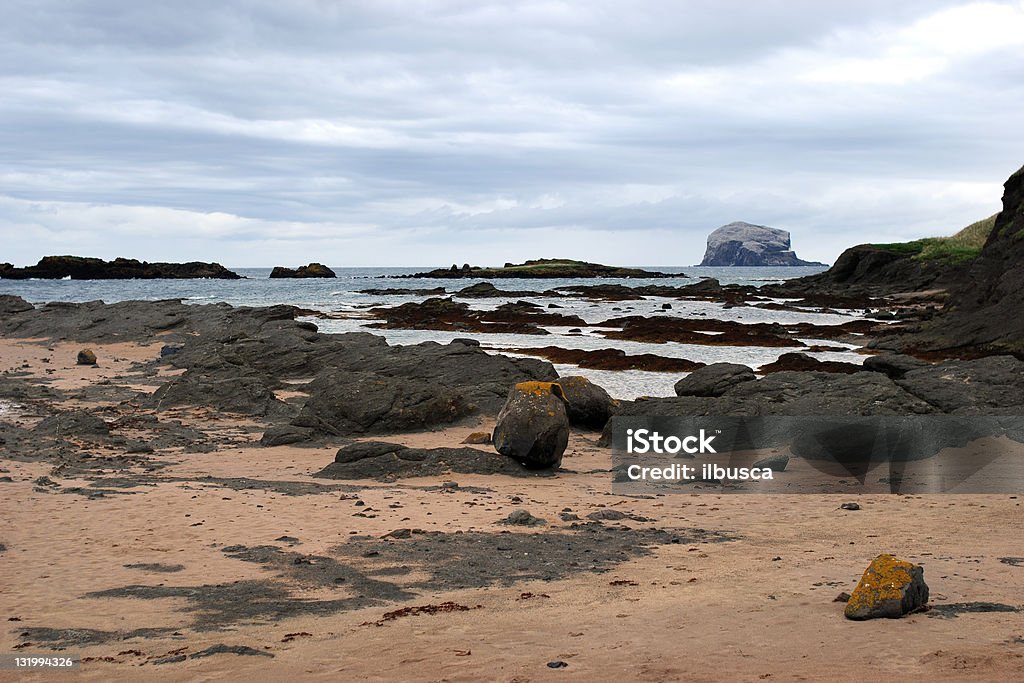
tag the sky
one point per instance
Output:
(260, 133)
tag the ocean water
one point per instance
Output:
(341, 297)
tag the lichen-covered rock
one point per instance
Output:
(713, 380)
(586, 404)
(533, 426)
(86, 357)
(889, 588)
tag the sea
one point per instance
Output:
(342, 299)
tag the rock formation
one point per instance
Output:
(85, 268)
(744, 244)
(543, 268)
(311, 270)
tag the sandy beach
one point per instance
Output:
(140, 568)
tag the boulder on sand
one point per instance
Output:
(533, 426)
(86, 357)
(586, 404)
(889, 588)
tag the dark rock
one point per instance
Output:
(10, 305)
(889, 588)
(542, 268)
(557, 664)
(86, 357)
(83, 268)
(312, 270)
(281, 435)
(713, 380)
(744, 244)
(387, 461)
(168, 350)
(776, 463)
(894, 365)
(586, 404)
(607, 515)
(346, 403)
(609, 359)
(73, 423)
(522, 517)
(800, 362)
(244, 395)
(850, 506)
(533, 427)
(984, 386)
(842, 597)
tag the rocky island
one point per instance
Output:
(312, 270)
(745, 244)
(542, 268)
(85, 268)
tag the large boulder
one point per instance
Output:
(533, 427)
(344, 403)
(586, 404)
(745, 244)
(888, 589)
(713, 380)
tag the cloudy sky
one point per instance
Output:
(258, 133)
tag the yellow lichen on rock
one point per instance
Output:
(890, 587)
(539, 388)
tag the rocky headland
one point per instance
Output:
(746, 244)
(86, 268)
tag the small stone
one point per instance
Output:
(86, 357)
(842, 597)
(557, 664)
(399, 533)
(850, 506)
(478, 438)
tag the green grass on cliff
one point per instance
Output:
(963, 246)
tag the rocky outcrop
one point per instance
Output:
(312, 270)
(352, 403)
(713, 380)
(84, 268)
(876, 270)
(745, 244)
(542, 268)
(390, 461)
(533, 426)
(983, 311)
(889, 588)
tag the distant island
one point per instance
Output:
(542, 268)
(312, 270)
(746, 244)
(86, 268)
